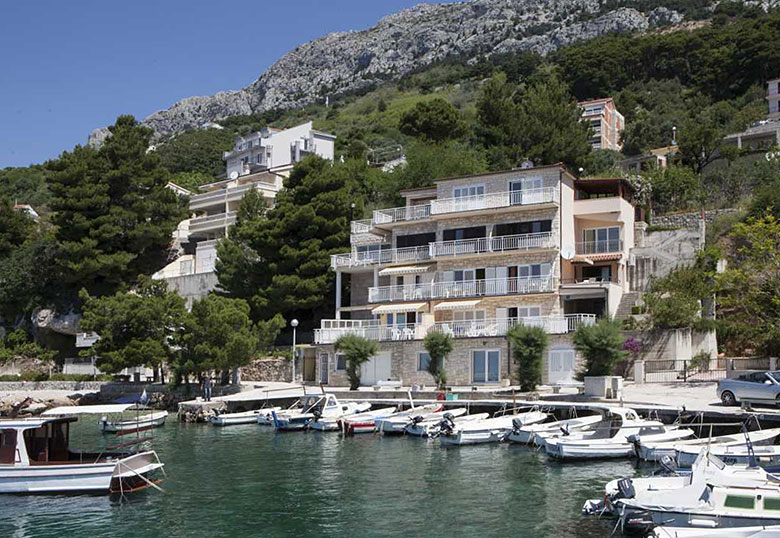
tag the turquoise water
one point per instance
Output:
(249, 481)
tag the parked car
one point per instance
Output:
(750, 386)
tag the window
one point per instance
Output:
(598, 240)
(743, 502)
(517, 228)
(465, 233)
(7, 446)
(415, 240)
(468, 315)
(771, 504)
(341, 362)
(531, 311)
(485, 365)
(185, 267)
(423, 360)
(472, 190)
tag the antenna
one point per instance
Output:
(567, 252)
(234, 174)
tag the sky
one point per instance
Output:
(67, 67)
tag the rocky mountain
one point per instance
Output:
(406, 41)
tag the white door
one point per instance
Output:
(378, 368)
(561, 365)
(324, 368)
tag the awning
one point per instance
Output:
(92, 409)
(403, 307)
(590, 258)
(457, 305)
(405, 270)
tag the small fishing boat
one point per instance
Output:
(36, 457)
(357, 423)
(761, 531)
(429, 428)
(489, 430)
(140, 423)
(767, 457)
(654, 451)
(244, 417)
(397, 423)
(314, 408)
(537, 433)
(402, 417)
(613, 437)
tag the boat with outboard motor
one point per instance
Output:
(537, 433)
(761, 531)
(397, 423)
(336, 423)
(315, 407)
(155, 419)
(654, 451)
(243, 417)
(36, 457)
(489, 430)
(767, 457)
(614, 436)
(430, 428)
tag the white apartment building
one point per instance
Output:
(259, 161)
(471, 257)
(605, 122)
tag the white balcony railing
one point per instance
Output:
(374, 257)
(212, 222)
(604, 246)
(483, 245)
(494, 200)
(473, 288)
(400, 214)
(228, 194)
(329, 334)
(360, 226)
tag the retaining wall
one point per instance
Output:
(76, 386)
(689, 220)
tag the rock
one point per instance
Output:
(35, 408)
(403, 42)
(49, 319)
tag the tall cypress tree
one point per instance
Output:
(113, 213)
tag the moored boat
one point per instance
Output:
(767, 457)
(655, 451)
(397, 423)
(426, 428)
(490, 430)
(148, 421)
(364, 422)
(537, 433)
(244, 417)
(314, 408)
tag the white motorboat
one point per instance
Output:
(397, 423)
(613, 437)
(357, 423)
(762, 531)
(35, 457)
(139, 423)
(426, 428)
(654, 451)
(245, 417)
(316, 407)
(491, 430)
(713, 496)
(767, 457)
(537, 433)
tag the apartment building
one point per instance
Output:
(605, 121)
(471, 257)
(259, 161)
(764, 134)
(773, 98)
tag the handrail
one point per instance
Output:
(601, 246)
(494, 200)
(372, 257)
(482, 245)
(455, 289)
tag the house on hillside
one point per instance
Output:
(605, 122)
(259, 161)
(764, 134)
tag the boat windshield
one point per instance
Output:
(48, 443)
(7, 445)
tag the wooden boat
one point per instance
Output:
(426, 428)
(151, 420)
(650, 451)
(349, 423)
(613, 437)
(537, 433)
(490, 430)
(245, 417)
(35, 457)
(315, 407)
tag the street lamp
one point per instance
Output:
(294, 324)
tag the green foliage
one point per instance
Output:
(434, 120)
(528, 345)
(439, 346)
(199, 151)
(27, 278)
(601, 346)
(191, 180)
(766, 181)
(218, 334)
(17, 345)
(357, 350)
(15, 227)
(603, 163)
(675, 301)
(114, 216)
(268, 331)
(25, 186)
(675, 188)
(136, 328)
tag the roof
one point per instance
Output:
(592, 101)
(419, 189)
(26, 423)
(586, 258)
(91, 409)
(483, 174)
(323, 133)
(602, 181)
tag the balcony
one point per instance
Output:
(231, 194)
(472, 288)
(483, 245)
(374, 257)
(361, 233)
(494, 200)
(401, 214)
(212, 222)
(334, 329)
(605, 246)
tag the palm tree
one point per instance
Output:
(438, 345)
(356, 350)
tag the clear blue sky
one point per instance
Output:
(67, 67)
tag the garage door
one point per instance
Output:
(378, 368)
(561, 364)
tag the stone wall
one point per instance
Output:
(268, 369)
(679, 344)
(689, 220)
(193, 287)
(75, 386)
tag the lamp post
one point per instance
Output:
(294, 324)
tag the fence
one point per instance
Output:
(684, 371)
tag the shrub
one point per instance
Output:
(700, 362)
(439, 346)
(528, 346)
(357, 350)
(601, 345)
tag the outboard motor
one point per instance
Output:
(668, 464)
(626, 489)
(517, 424)
(447, 424)
(417, 419)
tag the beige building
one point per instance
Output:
(605, 122)
(471, 257)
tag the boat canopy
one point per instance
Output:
(92, 409)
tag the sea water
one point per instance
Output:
(247, 480)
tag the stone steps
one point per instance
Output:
(626, 304)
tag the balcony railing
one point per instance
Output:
(230, 193)
(481, 245)
(332, 330)
(400, 214)
(360, 226)
(374, 257)
(494, 200)
(604, 246)
(472, 288)
(212, 221)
